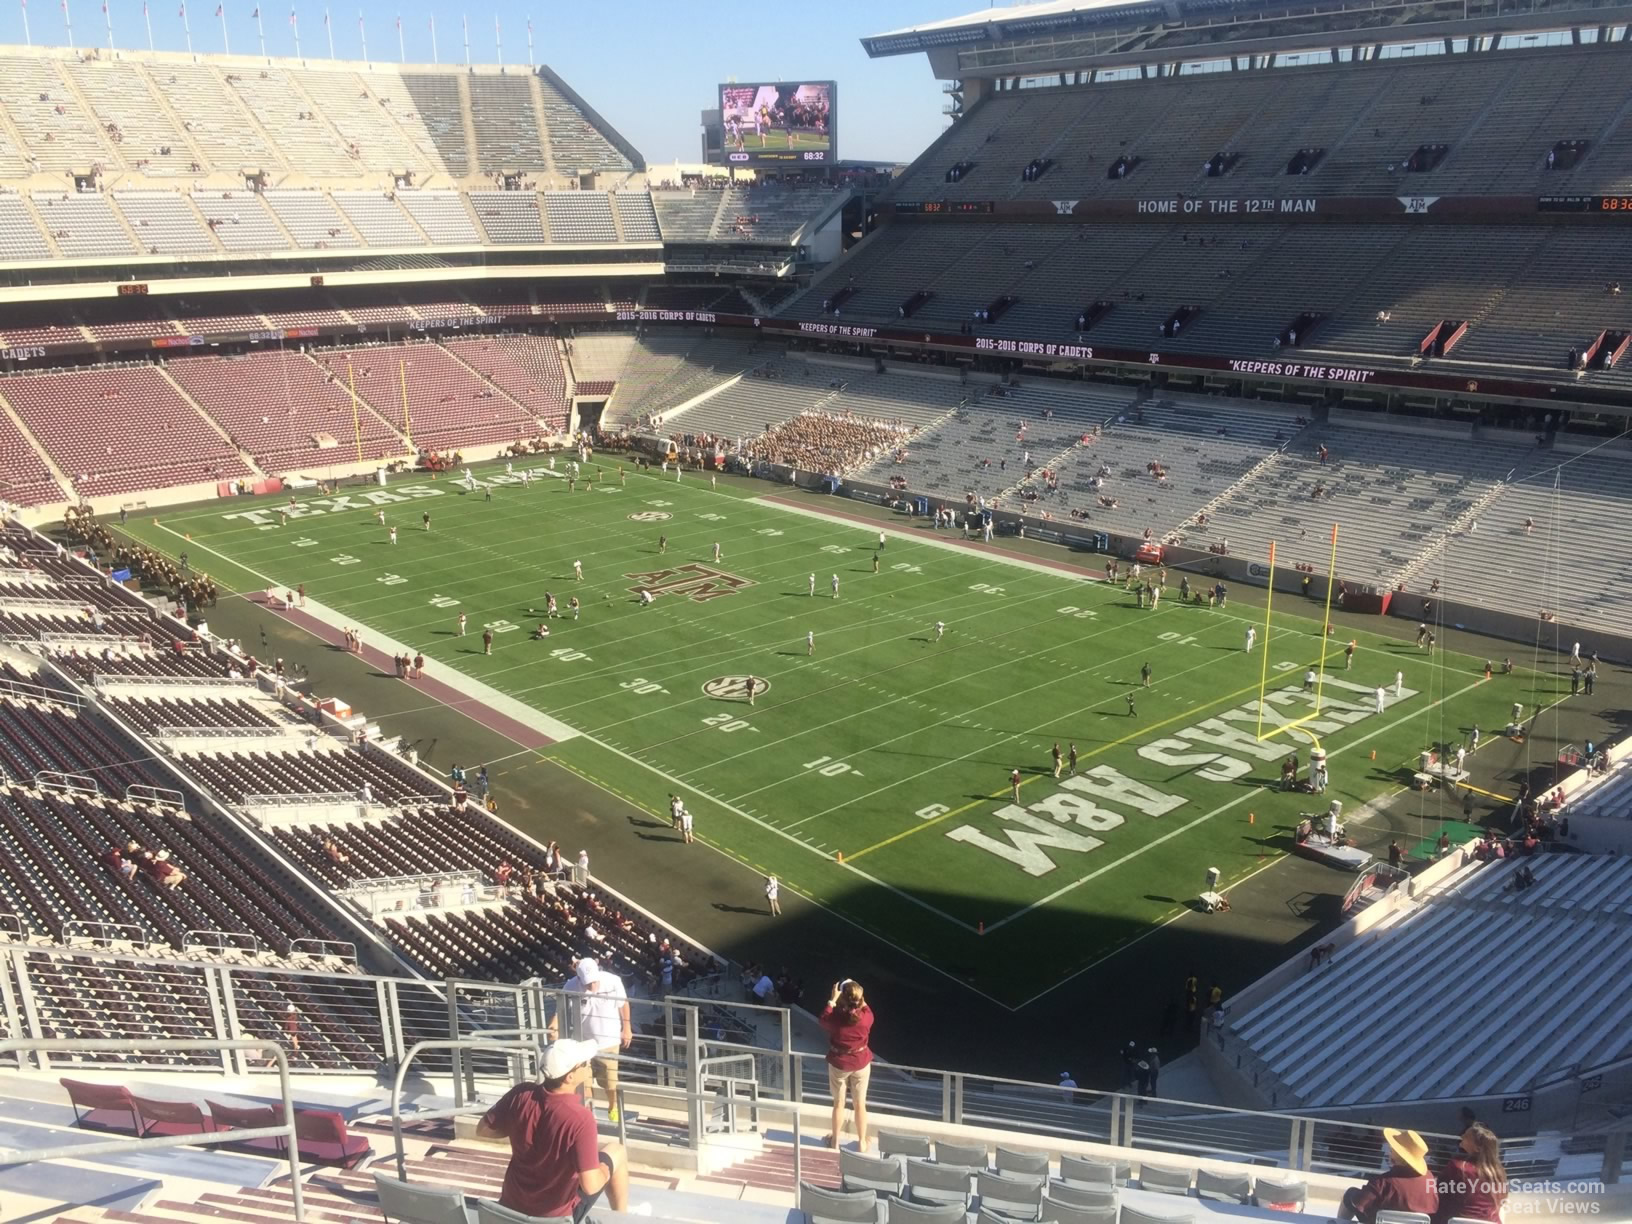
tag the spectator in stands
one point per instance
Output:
(603, 1018)
(1473, 1183)
(1405, 1185)
(555, 1169)
(849, 1024)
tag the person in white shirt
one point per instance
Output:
(940, 630)
(835, 586)
(1252, 636)
(1382, 698)
(685, 824)
(773, 890)
(1399, 683)
(813, 586)
(602, 1017)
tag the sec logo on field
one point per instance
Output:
(736, 688)
(649, 516)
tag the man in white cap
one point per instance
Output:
(555, 1168)
(603, 1018)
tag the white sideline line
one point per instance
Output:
(474, 689)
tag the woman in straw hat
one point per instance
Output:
(1405, 1185)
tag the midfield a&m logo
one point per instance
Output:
(698, 583)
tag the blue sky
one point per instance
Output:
(648, 67)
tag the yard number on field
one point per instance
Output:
(829, 768)
(986, 588)
(444, 601)
(643, 686)
(305, 542)
(1177, 639)
(344, 559)
(1079, 613)
(907, 567)
(391, 579)
(568, 655)
(728, 722)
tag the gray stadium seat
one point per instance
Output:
(407, 1203)
(1225, 1187)
(1285, 1194)
(1402, 1217)
(1011, 1161)
(969, 1155)
(894, 1143)
(860, 1172)
(1164, 1179)
(1018, 1197)
(930, 1182)
(824, 1206)
(490, 1211)
(905, 1211)
(1137, 1215)
(1057, 1212)
(1076, 1195)
(1088, 1172)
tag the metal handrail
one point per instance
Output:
(220, 941)
(155, 794)
(96, 928)
(250, 732)
(467, 1043)
(310, 945)
(73, 784)
(112, 1147)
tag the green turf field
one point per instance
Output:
(884, 746)
(776, 138)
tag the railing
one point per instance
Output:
(116, 679)
(98, 931)
(309, 799)
(124, 1147)
(220, 941)
(141, 792)
(73, 784)
(1178, 1128)
(39, 692)
(257, 732)
(11, 926)
(341, 949)
(380, 895)
(29, 603)
(99, 641)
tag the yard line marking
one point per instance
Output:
(1252, 795)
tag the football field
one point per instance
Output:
(870, 772)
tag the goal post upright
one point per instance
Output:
(1263, 665)
(1325, 623)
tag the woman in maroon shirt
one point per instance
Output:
(849, 1023)
(1473, 1183)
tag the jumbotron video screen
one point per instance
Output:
(778, 123)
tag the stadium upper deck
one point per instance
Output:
(156, 156)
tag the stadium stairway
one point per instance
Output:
(57, 474)
(247, 459)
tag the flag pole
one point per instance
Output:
(186, 27)
(260, 30)
(498, 39)
(402, 51)
(107, 19)
(435, 59)
(68, 22)
(328, 28)
(294, 24)
(464, 24)
(530, 60)
(147, 20)
(362, 34)
(407, 421)
(356, 419)
(221, 13)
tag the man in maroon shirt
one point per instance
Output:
(1404, 1186)
(555, 1169)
